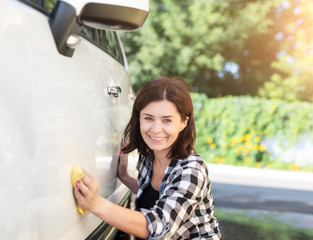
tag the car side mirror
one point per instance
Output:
(69, 16)
(112, 17)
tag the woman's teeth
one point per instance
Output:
(157, 139)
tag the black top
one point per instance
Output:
(148, 198)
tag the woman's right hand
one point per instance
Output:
(86, 192)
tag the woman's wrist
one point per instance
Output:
(99, 207)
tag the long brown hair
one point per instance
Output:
(176, 91)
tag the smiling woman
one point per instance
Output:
(173, 189)
(160, 125)
(169, 99)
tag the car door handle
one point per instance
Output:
(114, 91)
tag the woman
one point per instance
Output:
(173, 189)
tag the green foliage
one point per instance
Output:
(49, 4)
(195, 39)
(231, 129)
(270, 42)
(294, 73)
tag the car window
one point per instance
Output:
(44, 4)
(48, 4)
(89, 33)
(106, 40)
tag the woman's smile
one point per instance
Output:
(160, 125)
(159, 139)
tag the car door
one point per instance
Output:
(56, 111)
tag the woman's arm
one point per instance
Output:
(122, 174)
(126, 220)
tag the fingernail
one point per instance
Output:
(121, 152)
(78, 182)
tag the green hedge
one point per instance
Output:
(230, 130)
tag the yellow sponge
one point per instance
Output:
(77, 174)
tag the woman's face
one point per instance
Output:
(160, 125)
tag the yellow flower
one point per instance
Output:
(237, 150)
(233, 144)
(254, 147)
(233, 139)
(246, 159)
(240, 139)
(257, 139)
(219, 160)
(248, 137)
(258, 164)
(249, 146)
(210, 140)
(213, 145)
(262, 148)
(294, 166)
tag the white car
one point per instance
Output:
(65, 97)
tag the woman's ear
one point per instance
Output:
(184, 123)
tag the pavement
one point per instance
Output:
(285, 195)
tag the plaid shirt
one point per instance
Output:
(185, 209)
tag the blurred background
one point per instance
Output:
(251, 67)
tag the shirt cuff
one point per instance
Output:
(164, 231)
(156, 227)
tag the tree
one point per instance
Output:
(293, 79)
(199, 40)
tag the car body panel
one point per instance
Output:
(55, 111)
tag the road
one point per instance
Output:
(287, 192)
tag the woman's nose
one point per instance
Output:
(157, 126)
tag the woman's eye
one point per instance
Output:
(167, 120)
(148, 118)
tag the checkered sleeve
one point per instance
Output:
(181, 194)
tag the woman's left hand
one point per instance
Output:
(86, 192)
